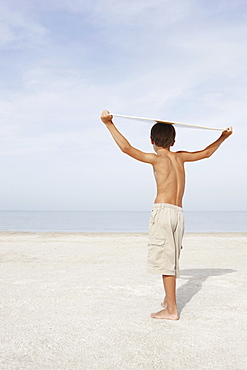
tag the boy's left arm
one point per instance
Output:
(123, 143)
(208, 151)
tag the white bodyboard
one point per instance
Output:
(167, 122)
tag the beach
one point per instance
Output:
(83, 300)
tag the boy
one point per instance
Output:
(166, 222)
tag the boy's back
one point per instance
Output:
(170, 177)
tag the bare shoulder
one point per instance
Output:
(178, 155)
(141, 156)
(183, 155)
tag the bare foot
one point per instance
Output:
(164, 314)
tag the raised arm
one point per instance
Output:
(123, 143)
(208, 151)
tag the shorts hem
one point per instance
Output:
(162, 272)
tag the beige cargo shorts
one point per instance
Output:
(166, 229)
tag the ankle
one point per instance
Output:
(172, 308)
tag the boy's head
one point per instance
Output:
(163, 135)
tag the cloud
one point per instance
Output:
(127, 12)
(17, 29)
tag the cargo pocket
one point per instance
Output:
(156, 253)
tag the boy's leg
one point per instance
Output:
(170, 311)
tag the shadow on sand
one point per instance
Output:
(195, 277)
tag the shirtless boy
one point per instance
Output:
(166, 222)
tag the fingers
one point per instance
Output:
(228, 129)
(106, 116)
(227, 132)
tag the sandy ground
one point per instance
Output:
(82, 301)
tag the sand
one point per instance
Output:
(82, 301)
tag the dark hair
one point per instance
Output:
(163, 134)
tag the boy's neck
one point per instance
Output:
(160, 149)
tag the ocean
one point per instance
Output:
(82, 221)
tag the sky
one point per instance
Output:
(64, 61)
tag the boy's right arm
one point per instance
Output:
(208, 151)
(123, 143)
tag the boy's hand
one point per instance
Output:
(106, 117)
(227, 132)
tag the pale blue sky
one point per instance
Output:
(64, 61)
